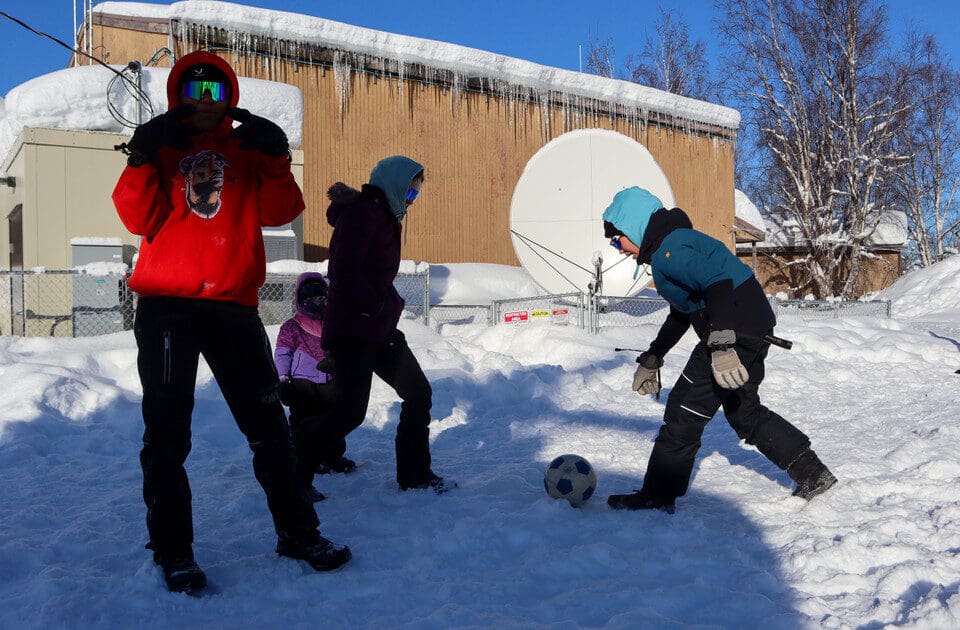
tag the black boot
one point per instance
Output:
(338, 465)
(637, 500)
(812, 477)
(320, 553)
(432, 482)
(181, 572)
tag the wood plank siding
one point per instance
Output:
(474, 141)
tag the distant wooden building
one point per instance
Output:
(778, 257)
(474, 121)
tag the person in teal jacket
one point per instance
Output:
(707, 288)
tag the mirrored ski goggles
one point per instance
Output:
(412, 194)
(196, 89)
(615, 242)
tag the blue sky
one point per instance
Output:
(548, 32)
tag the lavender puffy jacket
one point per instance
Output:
(298, 345)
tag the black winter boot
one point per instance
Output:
(637, 500)
(434, 482)
(320, 553)
(181, 572)
(812, 477)
(340, 465)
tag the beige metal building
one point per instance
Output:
(63, 183)
(62, 186)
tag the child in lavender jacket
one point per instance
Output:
(305, 389)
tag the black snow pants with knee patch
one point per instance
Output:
(692, 403)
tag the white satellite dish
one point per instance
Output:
(556, 215)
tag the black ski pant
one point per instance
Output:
(355, 361)
(171, 335)
(311, 408)
(692, 403)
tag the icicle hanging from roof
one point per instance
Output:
(277, 35)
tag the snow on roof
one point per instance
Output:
(241, 21)
(76, 98)
(746, 210)
(890, 232)
(101, 241)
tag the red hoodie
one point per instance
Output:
(200, 211)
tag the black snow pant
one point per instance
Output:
(311, 407)
(355, 361)
(692, 403)
(171, 335)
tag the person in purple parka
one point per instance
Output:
(308, 391)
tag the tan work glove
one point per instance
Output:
(728, 371)
(646, 380)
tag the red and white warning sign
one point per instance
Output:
(516, 317)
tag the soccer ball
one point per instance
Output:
(570, 477)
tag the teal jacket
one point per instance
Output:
(705, 284)
(688, 262)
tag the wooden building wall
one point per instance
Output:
(776, 276)
(474, 146)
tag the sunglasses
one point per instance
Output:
(197, 89)
(412, 194)
(616, 244)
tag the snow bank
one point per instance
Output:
(930, 292)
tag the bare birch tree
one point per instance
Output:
(671, 62)
(601, 58)
(928, 185)
(825, 106)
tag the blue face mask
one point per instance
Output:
(412, 194)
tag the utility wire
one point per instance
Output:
(52, 38)
(135, 91)
(527, 241)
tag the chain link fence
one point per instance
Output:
(613, 311)
(832, 309)
(460, 314)
(76, 303)
(71, 303)
(562, 309)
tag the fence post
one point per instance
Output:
(426, 297)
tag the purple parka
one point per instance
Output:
(298, 343)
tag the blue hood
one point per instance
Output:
(393, 175)
(630, 212)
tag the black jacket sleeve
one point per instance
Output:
(721, 306)
(670, 333)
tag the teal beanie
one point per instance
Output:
(630, 212)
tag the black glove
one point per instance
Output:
(167, 129)
(327, 363)
(259, 133)
(288, 392)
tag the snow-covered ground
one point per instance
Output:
(879, 398)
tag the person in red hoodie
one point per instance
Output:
(198, 192)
